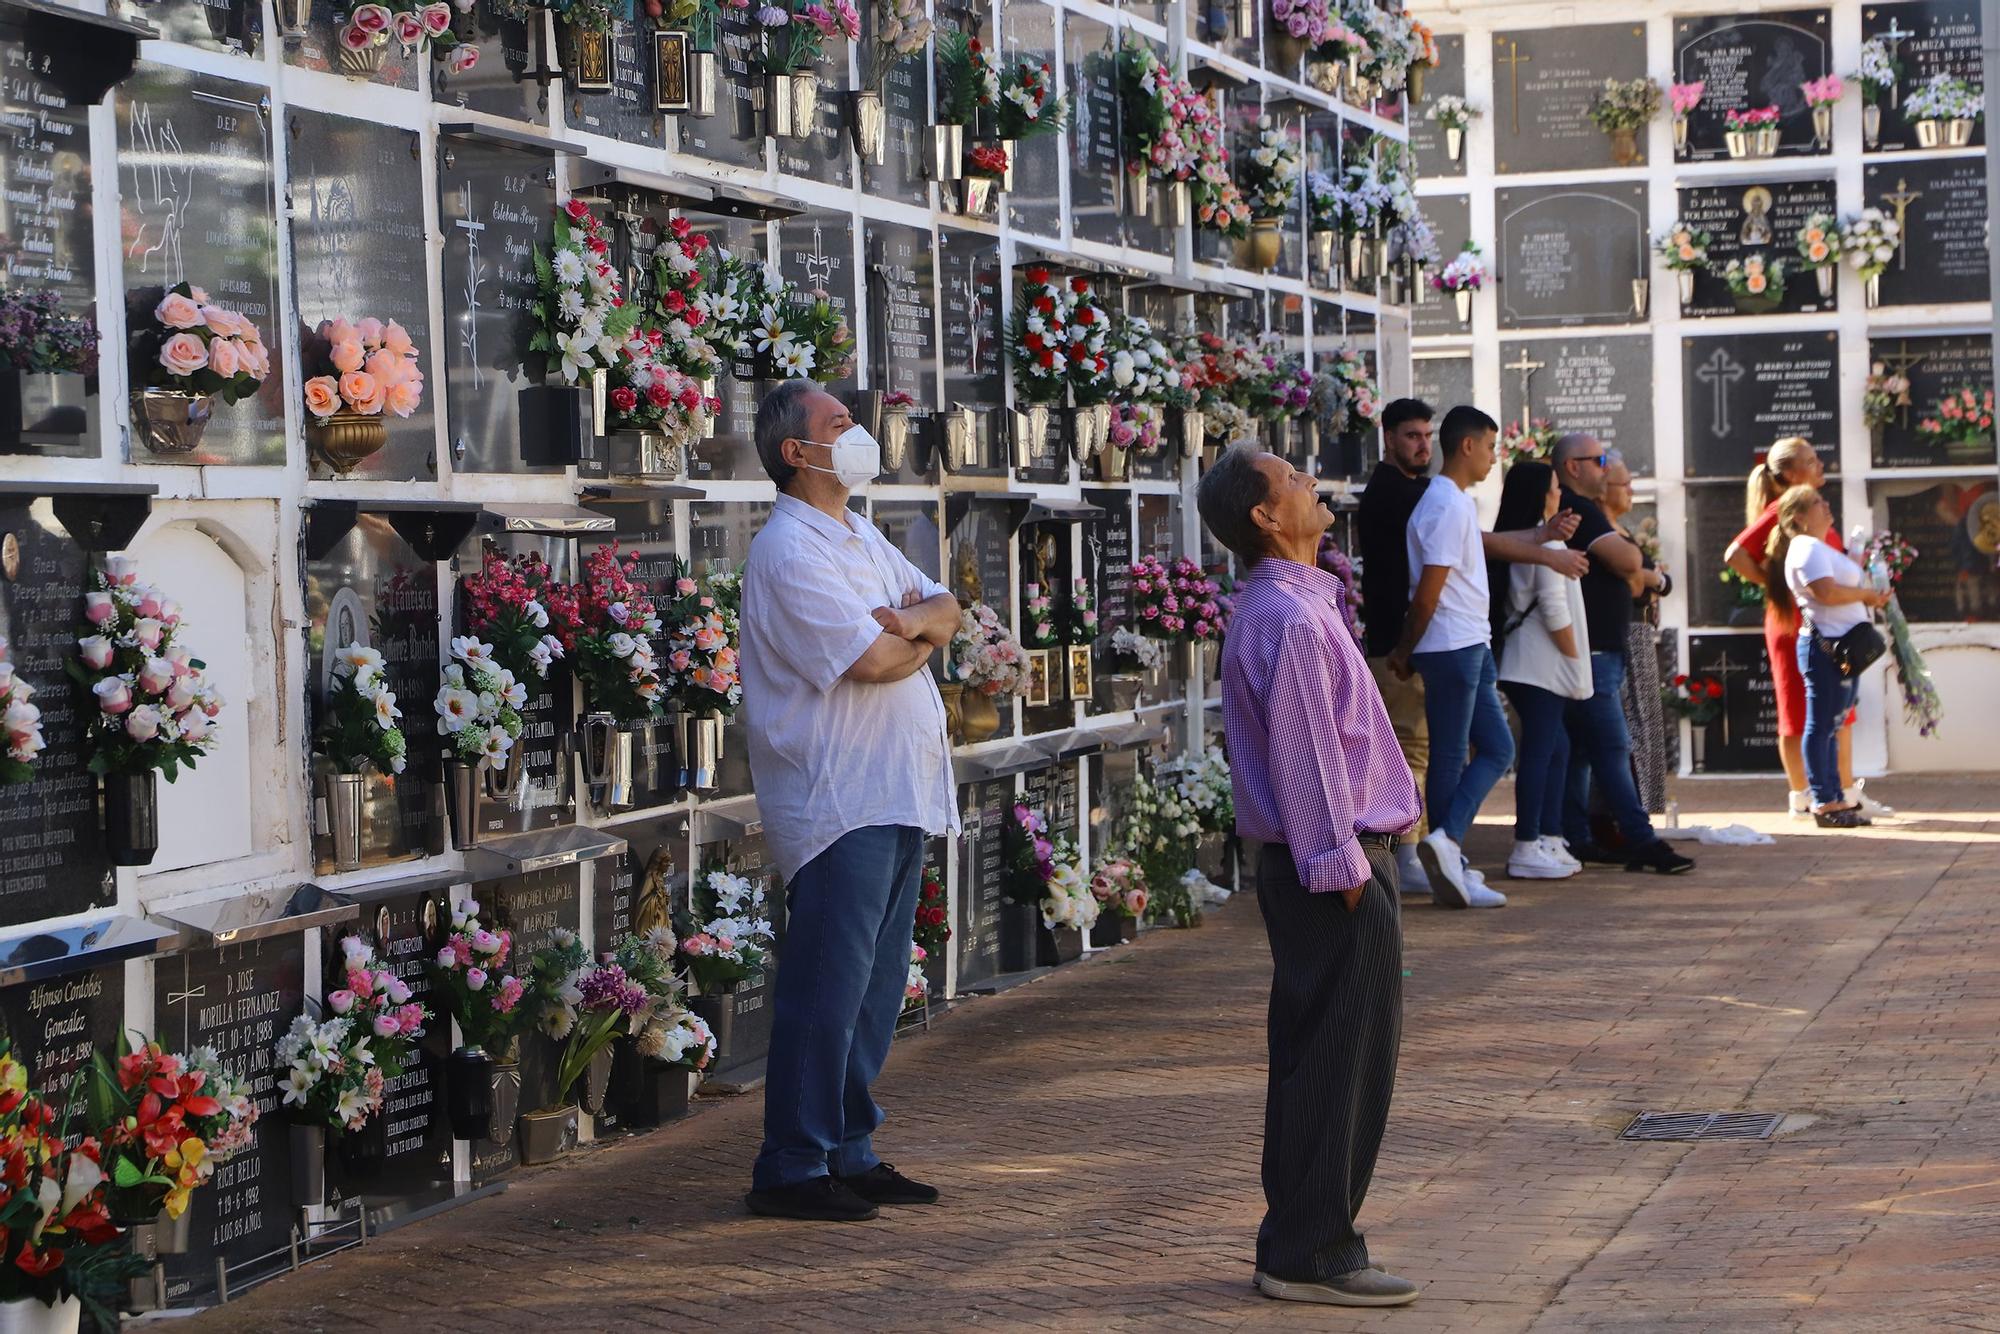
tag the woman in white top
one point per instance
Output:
(1544, 647)
(1832, 597)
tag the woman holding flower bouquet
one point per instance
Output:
(852, 769)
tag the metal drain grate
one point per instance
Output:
(1703, 1125)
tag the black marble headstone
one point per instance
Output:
(1159, 529)
(1090, 65)
(1741, 392)
(319, 49)
(1762, 218)
(55, 1025)
(1107, 565)
(233, 26)
(1568, 254)
(626, 112)
(902, 301)
(1714, 518)
(719, 537)
(1751, 61)
(496, 206)
(1434, 313)
(1934, 37)
(824, 155)
(1544, 81)
(646, 530)
(986, 809)
(750, 858)
(816, 252)
(238, 999)
(732, 452)
(1600, 385)
(357, 253)
(1426, 135)
(503, 81)
(912, 526)
(1936, 366)
(1955, 527)
(1028, 32)
(195, 194)
(969, 279)
(1745, 738)
(1943, 256)
(906, 95)
(735, 133)
(1443, 382)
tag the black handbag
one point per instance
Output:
(1856, 651)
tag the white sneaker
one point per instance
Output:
(1800, 805)
(1479, 896)
(1410, 870)
(1532, 861)
(1869, 806)
(1474, 877)
(1559, 852)
(1444, 867)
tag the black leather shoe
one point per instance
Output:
(1597, 854)
(1660, 859)
(818, 1200)
(883, 1184)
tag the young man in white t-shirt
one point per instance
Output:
(1447, 639)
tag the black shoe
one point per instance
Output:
(883, 1184)
(1597, 853)
(1848, 817)
(1660, 859)
(818, 1200)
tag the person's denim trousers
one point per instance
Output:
(1541, 770)
(1829, 696)
(841, 973)
(1462, 706)
(1601, 748)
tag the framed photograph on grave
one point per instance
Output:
(1572, 254)
(1748, 62)
(1080, 679)
(1600, 385)
(1741, 392)
(1041, 673)
(1544, 80)
(1955, 526)
(1941, 203)
(1939, 370)
(1746, 219)
(1924, 38)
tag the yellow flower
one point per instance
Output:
(185, 1162)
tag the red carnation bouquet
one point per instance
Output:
(1695, 698)
(931, 932)
(1040, 339)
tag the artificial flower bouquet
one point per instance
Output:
(1963, 418)
(1695, 698)
(680, 281)
(1685, 97)
(1204, 785)
(1751, 120)
(1079, 626)
(1869, 240)
(1028, 105)
(582, 318)
(1756, 278)
(1119, 885)
(362, 368)
(359, 732)
(664, 1029)
(931, 930)
(1884, 392)
(22, 722)
(795, 36)
(1132, 651)
(1088, 332)
(1452, 112)
(1465, 273)
(1043, 872)
(1944, 96)
(1142, 369)
(201, 349)
(968, 81)
(650, 393)
(1818, 242)
(1683, 247)
(1536, 441)
(1823, 92)
(1879, 71)
(916, 986)
(1886, 557)
(1039, 341)
(1271, 172)
(605, 624)
(154, 709)
(726, 936)
(900, 31)
(339, 1067)
(984, 655)
(165, 1123)
(1625, 104)
(380, 1004)
(504, 605)
(806, 337)
(1039, 616)
(1161, 828)
(1152, 112)
(37, 336)
(702, 637)
(591, 1004)
(1179, 605)
(469, 978)
(1275, 385)
(478, 705)
(365, 30)
(1344, 394)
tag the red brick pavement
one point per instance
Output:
(1097, 1132)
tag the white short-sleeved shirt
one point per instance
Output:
(1444, 530)
(829, 755)
(1807, 559)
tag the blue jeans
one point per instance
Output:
(1829, 696)
(1600, 747)
(846, 959)
(1542, 769)
(1462, 708)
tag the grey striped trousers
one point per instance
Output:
(1336, 1020)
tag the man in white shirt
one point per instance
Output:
(1447, 639)
(852, 768)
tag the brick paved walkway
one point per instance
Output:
(1097, 1132)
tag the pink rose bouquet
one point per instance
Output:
(703, 636)
(364, 368)
(153, 709)
(1119, 885)
(415, 27)
(198, 347)
(23, 723)
(469, 975)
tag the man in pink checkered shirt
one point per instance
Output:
(1321, 792)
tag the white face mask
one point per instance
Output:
(856, 457)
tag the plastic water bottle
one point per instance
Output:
(1673, 814)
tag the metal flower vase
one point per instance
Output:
(1114, 464)
(895, 438)
(345, 795)
(607, 762)
(132, 817)
(1262, 246)
(1822, 119)
(791, 102)
(596, 1081)
(461, 801)
(1642, 293)
(31, 1315)
(1243, 19)
(1323, 247)
(169, 421)
(1194, 430)
(346, 438)
(869, 122)
(1462, 298)
(367, 60)
(1930, 133)
(308, 1160)
(1138, 194)
(704, 81)
(1767, 141)
(718, 1011)
(1871, 125)
(705, 750)
(1737, 142)
(1958, 132)
(1824, 276)
(1172, 205)
(1360, 258)
(294, 20)
(947, 152)
(547, 1135)
(960, 431)
(1871, 290)
(504, 1098)
(468, 1090)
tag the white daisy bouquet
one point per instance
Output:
(154, 709)
(1039, 340)
(23, 722)
(583, 318)
(360, 731)
(479, 705)
(1869, 242)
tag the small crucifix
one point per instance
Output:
(1527, 366)
(1513, 60)
(1894, 36)
(1902, 361)
(1901, 200)
(469, 336)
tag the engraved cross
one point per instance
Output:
(1718, 373)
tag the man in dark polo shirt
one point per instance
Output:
(1600, 747)
(1382, 528)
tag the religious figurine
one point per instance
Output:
(1756, 217)
(1045, 555)
(655, 905)
(967, 578)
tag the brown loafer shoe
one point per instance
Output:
(1363, 1287)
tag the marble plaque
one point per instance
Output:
(1751, 61)
(1443, 382)
(732, 452)
(1714, 518)
(1755, 218)
(1955, 527)
(913, 527)
(986, 809)
(543, 796)
(503, 82)
(532, 907)
(902, 306)
(319, 49)
(906, 109)
(45, 203)
(1028, 31)
(1937, 367)
(53, 859)
(827, 154)
(1745, 738)
(750, 858)
(1433, 313)
(646, 529)
(969, 278)
(735, 133)
(238, 999)
(496, 206)
(719, 537)
(232, 26)
(357, 252)
(1600, 385)
(1107, 566)
(194, 163)
(1930, 37)
(1090, 73)
(1426, 135)
(1544, 81)
(816, 251)
(1743, 391)
(1943, 256)
(1568, 254)
(55, 1025)
(626, 112)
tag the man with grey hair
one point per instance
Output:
(852, 768)
(1600, 745)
